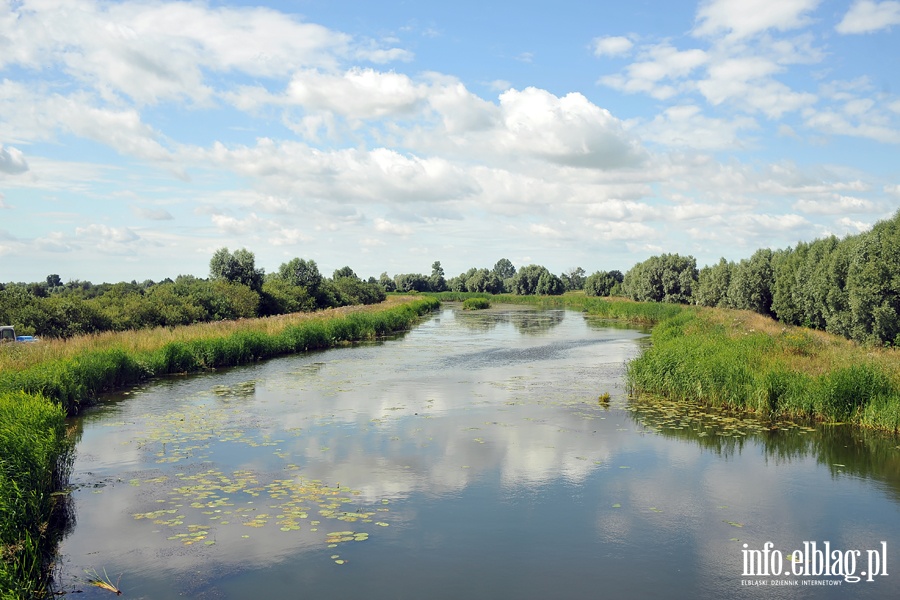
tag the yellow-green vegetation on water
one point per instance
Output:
(745, 361)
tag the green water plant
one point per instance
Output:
(476, 304)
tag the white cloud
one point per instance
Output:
(743, 18)
(153, 214)
(657, 71)
(384, 226)
(104, 235)
(611, 46)
(747, 81)
(850, 225)
(163, 50)
(12, 161)
(686, 127)
(836, 205)
(832, 122)
(568, 131)
(545, 231)
(866, 16)
(357, 93)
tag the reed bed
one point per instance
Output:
(33, 463)
(748, 362)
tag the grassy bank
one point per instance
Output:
(74, 371)
(748, 362)
(41, 383)
(33, 454)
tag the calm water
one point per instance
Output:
(469, 458)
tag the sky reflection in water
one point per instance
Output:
(468, 458)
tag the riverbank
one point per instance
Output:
(41, 383)
(744, 361)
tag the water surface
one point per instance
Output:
(469, 458)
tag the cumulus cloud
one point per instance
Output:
(357, 94)
(152, 52)
(12, 161)
(743, 18)
(569, 130)
(612, 45)
(866, 16)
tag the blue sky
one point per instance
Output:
(136, 138)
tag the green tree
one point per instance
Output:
(344, 272)
(504, 269)
(300, 272)
(436, 282)
(664, 278)
(485, 281)
(525, 282)
(712, 284)
(602, 283)
(237, 267)
(387, 282)
(751, 283)
(549, 285)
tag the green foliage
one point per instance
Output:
(602, 283)
(573, 279)
(713, 283)
(750, 287)
(33, 453)
(484, 281)
(504, 269)
(301, 273)
(476, 304)
(437, 283)
(344, 273)
(349, 290)
(536, 279)
(549, 285)
(411, 282)
(237, 267)
(694, 356)
(664, 278)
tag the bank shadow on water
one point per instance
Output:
(845, 450)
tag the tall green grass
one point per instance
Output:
(732, 359)
(33, 462)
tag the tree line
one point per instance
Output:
(848, 286)
(236, 288)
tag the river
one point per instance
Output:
(471, 457)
